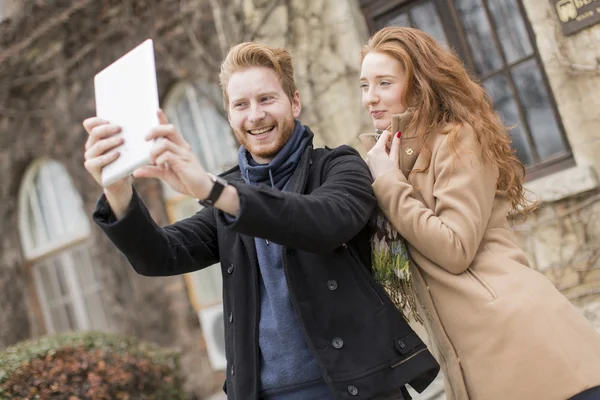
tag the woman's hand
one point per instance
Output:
(384, 156)
(174, 162)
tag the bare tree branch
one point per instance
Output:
(220, 23)
(43, 29)
(68, 64)
(250, 36)
(200, 50)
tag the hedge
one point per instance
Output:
(90, 365)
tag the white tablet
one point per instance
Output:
(127, 95)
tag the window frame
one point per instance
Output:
(375, 10)
(56, 250)
(189, 89)
(178, 205)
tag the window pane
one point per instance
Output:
(510, 29)
(64, 283)
(84, 267)
(203, 127)
(61, 278)
(70, 314)
(479, 36)
(59, 317)
(208, 285)
(427, 19)
(41, 231)
(95, 311)
(54, 212)
(184, 208)
(55, 283)
(48, 201)
(218, 132)
(36, 233)
(70, 205)
(90, 288)
(506, 106)
(186, 125)
(540, 116)
(42, 274)
(399, 20)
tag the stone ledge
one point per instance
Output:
(563, 184)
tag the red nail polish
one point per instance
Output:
(398, 134)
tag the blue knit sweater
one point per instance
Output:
(288, 370)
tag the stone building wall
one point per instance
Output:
(572, 65)
(563, 238)
(50, 53)
(325, 38)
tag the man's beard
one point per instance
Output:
(273, 148)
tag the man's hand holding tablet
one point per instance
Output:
(131, 136)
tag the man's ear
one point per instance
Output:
(296, 104)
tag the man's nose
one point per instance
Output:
(256, 114)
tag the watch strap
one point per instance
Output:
(216, 191)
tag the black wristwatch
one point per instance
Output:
(218, 186)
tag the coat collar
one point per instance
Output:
(297, 182)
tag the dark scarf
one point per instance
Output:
(279, 329)
(278, 172)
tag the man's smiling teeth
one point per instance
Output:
(261, 130)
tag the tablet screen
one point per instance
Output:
(127, 95)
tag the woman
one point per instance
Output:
(449, 183)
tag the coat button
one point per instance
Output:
(401, 344)
(337, 343)
(230, 269)
(332, 285)
(232, 369)
(409, 151)
(352, 390)
(230, 317)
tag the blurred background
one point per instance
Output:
(538, 59)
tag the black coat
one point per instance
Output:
(360, 340)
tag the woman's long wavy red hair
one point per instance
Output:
(442, 93)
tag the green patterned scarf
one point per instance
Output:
(391, 265)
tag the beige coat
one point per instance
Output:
(499, 329)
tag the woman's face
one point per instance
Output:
(382, 84)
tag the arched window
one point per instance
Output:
(54, 231)
(194, 110)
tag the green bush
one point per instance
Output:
(89, 365)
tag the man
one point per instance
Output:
(304, 318)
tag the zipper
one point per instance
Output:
(409, 358)
(481, 283)
(362, 277)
